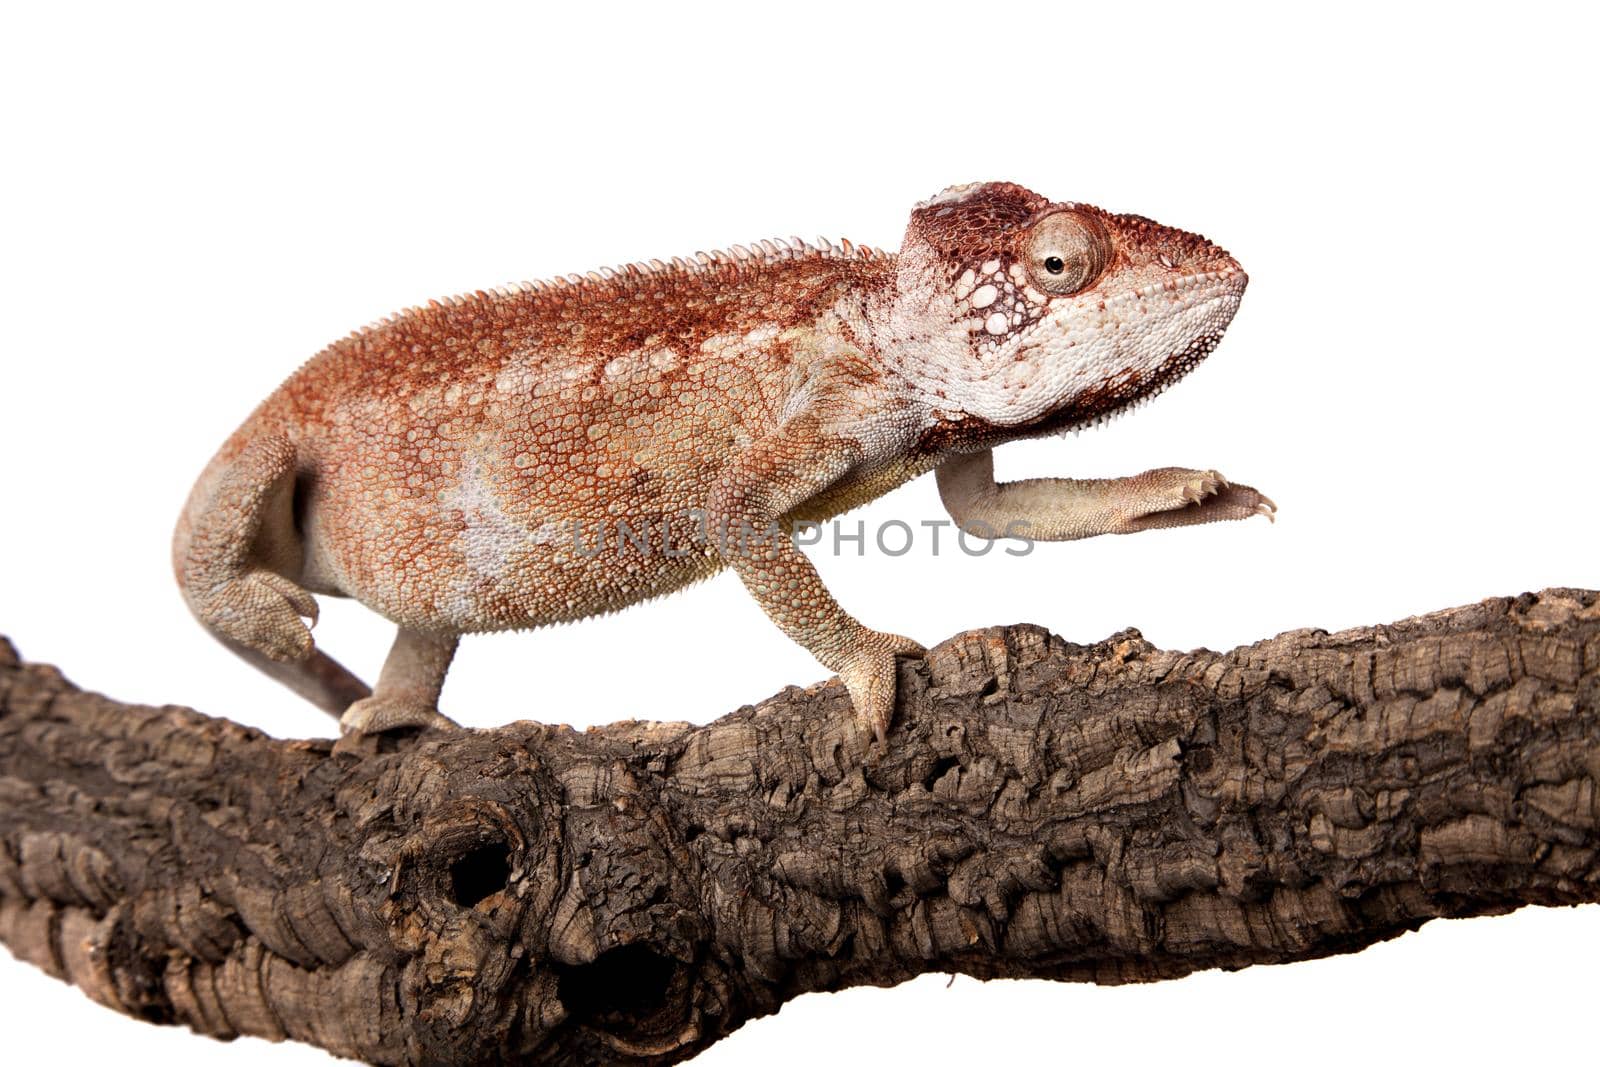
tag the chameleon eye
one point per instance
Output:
(1066, 253)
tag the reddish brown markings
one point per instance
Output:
(975, 225)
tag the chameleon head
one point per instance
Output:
(1042, 316)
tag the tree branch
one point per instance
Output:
(1110, 813)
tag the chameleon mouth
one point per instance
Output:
(1212, 298)
(1206, 302)
(1185, 314)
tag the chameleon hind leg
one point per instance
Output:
(407, 693)
(233, 550)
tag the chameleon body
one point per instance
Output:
(552, 451)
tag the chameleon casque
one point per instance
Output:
(433, 465)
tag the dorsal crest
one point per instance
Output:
(608, 283)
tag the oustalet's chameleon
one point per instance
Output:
(453, 467)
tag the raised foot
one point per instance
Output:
(261, 610)
(378, 714)
(869, 675)
(1177, 496)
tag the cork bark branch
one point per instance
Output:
(532, 894)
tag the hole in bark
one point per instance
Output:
(940, 769)
(481, 873)
(631, 981)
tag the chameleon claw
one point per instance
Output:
(380, 714)
(303, 603)
(261, 610)
(1208, 484)
(870, 680)
(1173, 496)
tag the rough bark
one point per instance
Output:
(1109, 813)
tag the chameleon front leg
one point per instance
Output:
(745, 517)
(1065, 509)
(407, 693)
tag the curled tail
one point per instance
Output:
(233, 552)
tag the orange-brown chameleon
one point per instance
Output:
(557, 450)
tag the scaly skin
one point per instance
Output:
(433, 466)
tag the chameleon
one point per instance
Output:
(454, 466)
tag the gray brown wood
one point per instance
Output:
(1109, 813)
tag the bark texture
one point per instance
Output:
(1107, 813)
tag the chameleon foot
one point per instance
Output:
(379, 714)
(870, 677)
(261, 610)
(1175, 496)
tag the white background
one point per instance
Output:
(197, 199)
